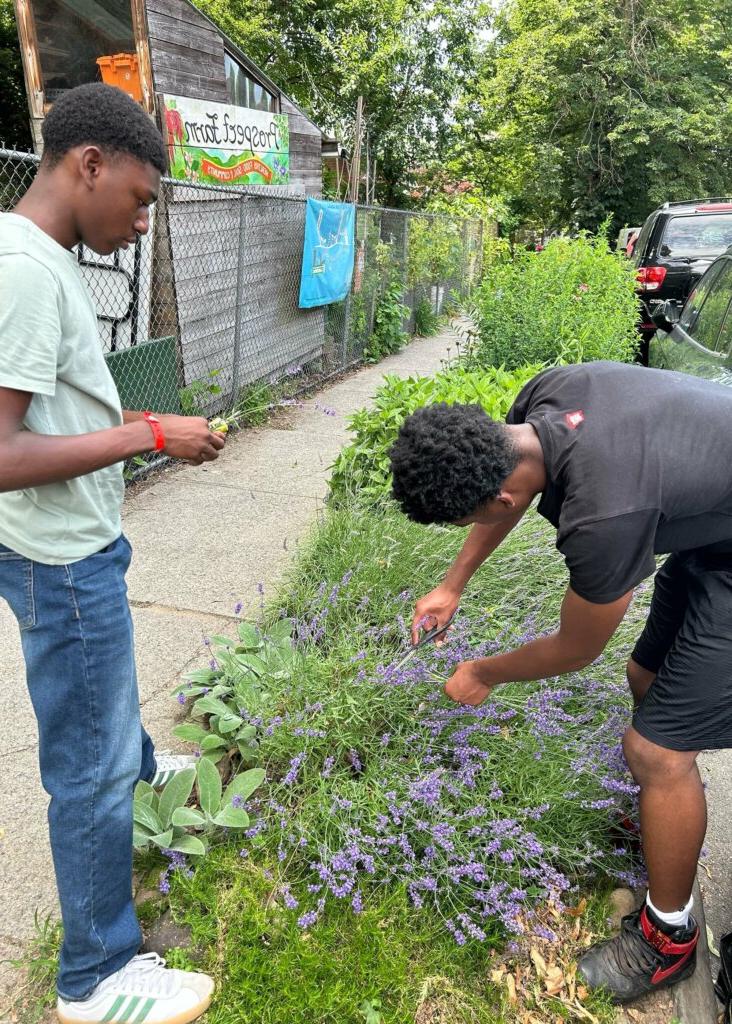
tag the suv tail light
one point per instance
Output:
(650, 279)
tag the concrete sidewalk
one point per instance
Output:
(203, 538)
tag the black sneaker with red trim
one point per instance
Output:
(642, 958)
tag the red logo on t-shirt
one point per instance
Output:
(573, 419)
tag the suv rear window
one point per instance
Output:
(642, 241)
(694, 236)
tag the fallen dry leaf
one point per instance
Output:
(497, 976)
(581, 993)
(538, 961)
(554, 981)
(634, 1014)
(511, 984)
(579, 910)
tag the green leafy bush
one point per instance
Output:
(362, 468)
(572, 303)
(243, 671)
(426, 321)
(163, 820)
(436, 250)
(388, 335)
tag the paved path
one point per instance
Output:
(203, 538)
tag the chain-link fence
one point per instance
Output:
(201, 315)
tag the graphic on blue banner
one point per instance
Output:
(327, 263)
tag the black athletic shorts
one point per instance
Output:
(687, 642)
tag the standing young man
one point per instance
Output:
(63, 558)
(628, 463)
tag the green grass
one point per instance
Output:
(269, 972)
(36, 990)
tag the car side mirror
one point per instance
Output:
(666, 315)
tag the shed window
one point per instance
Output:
(73, 33)
(243, 90)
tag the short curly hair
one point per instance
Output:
(448, 460)
(101, 115)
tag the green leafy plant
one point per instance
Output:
(388, 335)
(436, 250)
(362, 468)
(573, 302)
(163, 819)
(194, 398)
(370, 1010)
(426, 321)
(246, 668)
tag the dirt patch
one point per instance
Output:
(441, 1003)
(657, 1008)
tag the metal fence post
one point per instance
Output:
(345, 336)
(239, 322)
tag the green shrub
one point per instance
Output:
(426, 321)
(388, 335)
(375, 782)
(436, 251)
(362, 468)
(572, 303)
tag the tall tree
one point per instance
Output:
(408, 59)
(591, 107)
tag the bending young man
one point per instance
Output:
(63, 558)
(628, 463)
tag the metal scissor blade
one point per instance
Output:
(432, 634)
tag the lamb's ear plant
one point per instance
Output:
(246, 667)
(163, 819)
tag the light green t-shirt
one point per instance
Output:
(49, 345)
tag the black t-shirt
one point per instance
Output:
(638, 462)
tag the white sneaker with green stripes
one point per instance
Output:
(144, 991)
(167, 765)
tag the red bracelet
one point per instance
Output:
(157, 430)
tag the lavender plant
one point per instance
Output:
(375, 780)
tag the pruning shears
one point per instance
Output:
(428, 637)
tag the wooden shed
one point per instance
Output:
(179, 52)
(213, 288)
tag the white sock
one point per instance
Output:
(677, 918)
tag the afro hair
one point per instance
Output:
(101, 115)
(448, 460)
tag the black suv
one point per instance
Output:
(677, 244)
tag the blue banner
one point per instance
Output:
(327, 263)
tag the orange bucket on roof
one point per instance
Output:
(121, 71)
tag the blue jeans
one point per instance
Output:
(76, 631)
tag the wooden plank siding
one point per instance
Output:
(211, 263)
(186, 52)
(233, 290)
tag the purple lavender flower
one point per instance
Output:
(308, 920)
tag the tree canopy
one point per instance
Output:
(586, 108)
(409, 59)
